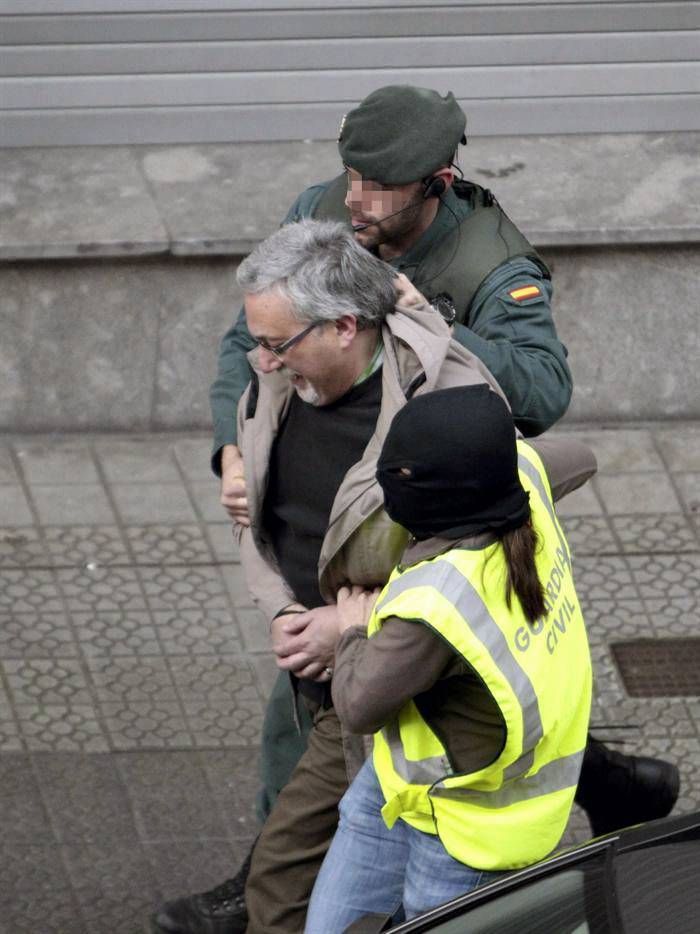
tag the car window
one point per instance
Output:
(658, 890)
(570, 901)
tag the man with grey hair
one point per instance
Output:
(342, 343)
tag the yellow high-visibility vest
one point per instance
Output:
(514, 811)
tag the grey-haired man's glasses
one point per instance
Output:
(282, 348)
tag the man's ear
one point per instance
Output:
(446, 174)
(346, 329)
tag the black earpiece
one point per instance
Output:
(434, 187)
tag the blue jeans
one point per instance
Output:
(368, 868)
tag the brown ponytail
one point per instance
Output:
(520, 546)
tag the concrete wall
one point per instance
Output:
(106, 345)
(117, 269)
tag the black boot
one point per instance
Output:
(220, 911)
(617, 791)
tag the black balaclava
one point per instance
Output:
(459, 446)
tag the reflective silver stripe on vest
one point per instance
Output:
(532, 473)
(520, 766)
(554, 776)
(422, 772)
(459, 591)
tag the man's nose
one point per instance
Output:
(267, 361)
(354, 195)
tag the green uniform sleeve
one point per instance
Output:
(233, 372)
(518, 342)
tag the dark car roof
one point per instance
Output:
(650, 875)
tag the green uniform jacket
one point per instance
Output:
(516, 340)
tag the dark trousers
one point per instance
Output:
(284, 740)
(297, 834)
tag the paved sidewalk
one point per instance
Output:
(133, 670)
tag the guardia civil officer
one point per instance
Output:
(400, 194)
(475, 679)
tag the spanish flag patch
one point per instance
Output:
(525, 291)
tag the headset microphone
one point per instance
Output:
(434, 188)
(411, 204)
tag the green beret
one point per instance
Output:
(401, 134)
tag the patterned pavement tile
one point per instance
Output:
(28, 591)
(598, 578)
(129, 632)
(14, 507)
(36, 894)
(666, 576)
(168, 544)
(693, 705)
(647, 717)
(588, 535)
(25, 819)
(131, 696)
(615, 620)
(654, 534)
(213, 678)
(114, 885)
(197, 632)
(676, 617)
(607, 683)
(101, 589)
(85, 797)
(85, 545)
(29, 635)
(131, 679)
(45, 681)
(157, 725)
(235, 723)
(59, 728)
(21, 547)
(184, 588)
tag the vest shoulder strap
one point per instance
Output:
(468, 253)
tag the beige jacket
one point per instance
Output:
(362, 545)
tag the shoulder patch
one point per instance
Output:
(524, 291)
